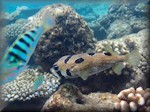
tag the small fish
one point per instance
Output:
(38, 82)
(87, 64)
(18, 55)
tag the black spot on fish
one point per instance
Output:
(60, 75)
(37, 27)
(25, 42)
(91, 54)
(67, 59)
(13, 61)
(68, 72)
(19, 67)
(107, 53)
(55, 67)
(16, 56)
(32, 31)
(29, 36)
(20, 49)
(80, 60)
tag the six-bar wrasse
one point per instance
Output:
(18, 55)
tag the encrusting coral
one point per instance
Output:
(134, 100)
(22, 87)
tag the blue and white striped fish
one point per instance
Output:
(18, 55)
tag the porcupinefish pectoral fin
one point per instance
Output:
(118, 68)
(84, 75)
(109, 49)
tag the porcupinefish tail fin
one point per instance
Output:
(133, 58)
(109, 49)
(48, 22)
(118, 68)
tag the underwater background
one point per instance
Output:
(81, 27)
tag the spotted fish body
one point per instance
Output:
(18, 55)
(85, 65)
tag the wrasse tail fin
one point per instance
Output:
(118, 68)
(9, 72)
(38, 82)
(133, 58)
(109, 49)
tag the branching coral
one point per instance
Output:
(12, 31)
(134, 100)
(125, 45)
(22, 87)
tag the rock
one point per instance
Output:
(119, 28)
(122, 19)
(68, 98)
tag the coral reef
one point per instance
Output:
(102, 82)
(7, 18)
(122, 19)
(130, 76)
(134, 100)
(71, 35)
(22, 87)
(68, 98)
(125, 45)
(87, 11)
(12, 31)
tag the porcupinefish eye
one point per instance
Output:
(79, 60)
(91, 54)
(107, 54)
(55, 67)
